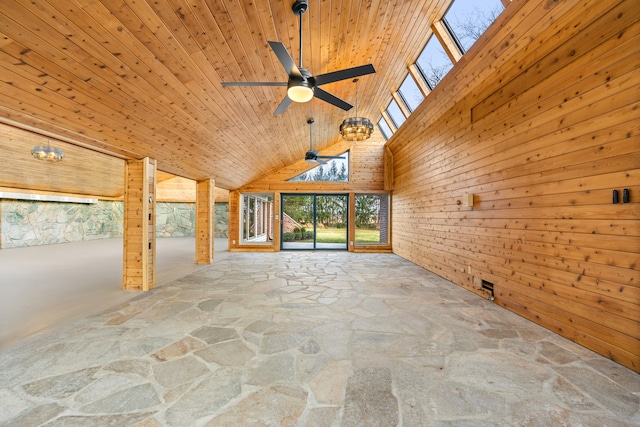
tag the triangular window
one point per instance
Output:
(336, 170)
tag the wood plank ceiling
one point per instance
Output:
(137, 78)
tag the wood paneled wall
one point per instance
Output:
(173, 188)
(539, 121)
(366, 170)
(366, 174)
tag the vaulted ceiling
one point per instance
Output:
(138, 78)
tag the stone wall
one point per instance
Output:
(34, 223)
(221, 220)
(175, 219)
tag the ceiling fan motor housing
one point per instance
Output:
(300, 7)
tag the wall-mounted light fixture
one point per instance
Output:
(467, 201)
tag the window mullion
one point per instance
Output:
(449, 45)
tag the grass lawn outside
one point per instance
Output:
(367, 236)
(331, 235)
(339, 235)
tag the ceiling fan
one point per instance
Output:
(312, 155)
(302, 85)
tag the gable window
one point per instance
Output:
(385, 130)
(466, 20)
(410, 93)
(396, 114)
(335, 170)
(433, 63)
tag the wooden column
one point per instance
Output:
(351, 240)
(205, 203)
(139, 254)
(234, 220)
(276, 223)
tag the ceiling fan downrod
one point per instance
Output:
(300, 7)
(310, 122)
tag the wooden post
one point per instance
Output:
(139, 254)
(276, 222)
(205, 204)
(351, 239)
(234, 230)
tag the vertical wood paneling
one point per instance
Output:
(541, 142)
(138, 272)
(205, 209)
(234, 220)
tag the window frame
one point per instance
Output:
(404, 98)
(265, 225)
(393, 120)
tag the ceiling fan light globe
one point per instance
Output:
(300, 93)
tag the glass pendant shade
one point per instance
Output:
(46, 152)
(356, 128)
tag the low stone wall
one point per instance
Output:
(34, 223)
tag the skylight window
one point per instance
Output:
(395, 113)
(336, 170)
(466, 20)
(385, 130)
(433, 62)
(410, 93)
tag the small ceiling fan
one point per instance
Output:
(302, 85)
(312, 155)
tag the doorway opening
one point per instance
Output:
(314, 221)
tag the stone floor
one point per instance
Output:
(310, 339)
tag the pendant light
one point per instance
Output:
(45, 152)
(356, 128)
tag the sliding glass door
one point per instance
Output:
(314, 221)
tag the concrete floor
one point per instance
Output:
(308, 339)
(39, 291)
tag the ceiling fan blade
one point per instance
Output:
(331, 99)
(348, 73)
(285, 59)
(283, 105)
(225, 84)
(319, 160)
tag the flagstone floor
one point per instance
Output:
(310, 339)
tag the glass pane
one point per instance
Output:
(410, 93)
(331, 222)
(336, 170)
(372, 219)
(468, 19)
(297, 222)
(384, 128)
(433, 62)
(257, 218)
(314, 221)
(396, 114)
